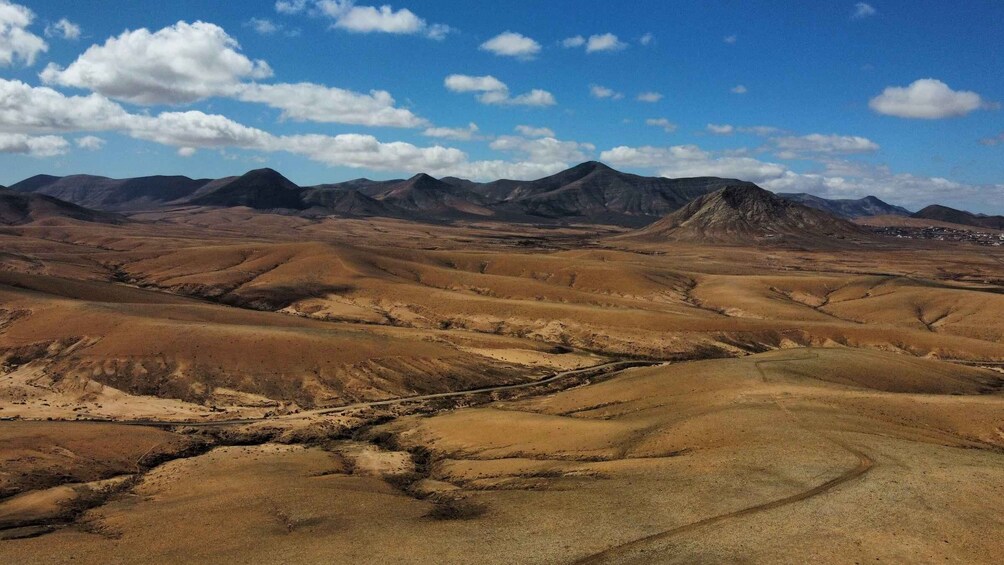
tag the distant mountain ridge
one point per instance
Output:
(951, 215)
(847, 208)
(590, 192)
(18, 208)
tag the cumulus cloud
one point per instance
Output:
(318, 103)
(90, 142)
(463, 134)
(863, 10)
(842, 180)
(721, 129)
(175, 65)
(729, 129)
(793, 147)
(512, 44)
(494, 91)
(597, 43)
(64, 28)
(468, 83)
(604, 42)
(534, 158)
(290, 6)
(666, 125)
(346, 15)
(530, 131)
(28, 109)
(187, 151)
(16, 42)
(365, 151)
(647, 39)
(730, 39)
(738, 89)
(691, 161)
(650, 96)
(543, 149)
(598, 91)
(34, 146)
(262, 26)
(928, 99)
(574, 41)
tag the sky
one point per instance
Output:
(898, 99)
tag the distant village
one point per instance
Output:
(989, 238)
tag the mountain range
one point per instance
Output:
(588, 193)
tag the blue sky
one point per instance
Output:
(842, 99)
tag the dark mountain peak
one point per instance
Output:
(744, 212)
(262, 189)
(32, 184)
(267, 176)
(951, 215)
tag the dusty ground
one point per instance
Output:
(810, 411)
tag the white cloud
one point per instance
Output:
(462, 134)
(791, 147)
(574, 41)
(468, 83)
(666, 125)
(34, 146)
(512, 44)
(598, 91)
(365, 151)
(494, 91)
(64, 28)
(692, 161)
(175, 65)
(535, 97)
(318, 103)
(262, 26)
(650, 96)
(537, 158)
(196, 129)
(738, 89)
(90, 142)
(647, 39)
(16, 42)
(863, 10)
(186, 151)
(530, 131)
(290, 6)
(604, 42)
(25, 109)
(543, 149)
(928, 99)
(900, 188)
(348, 16)
(721, 129)
(730, 39)
(29, 109)
(368, 19)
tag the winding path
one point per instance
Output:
(865, 463)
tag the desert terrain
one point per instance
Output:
(218, 384)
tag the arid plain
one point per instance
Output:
(225, 385)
